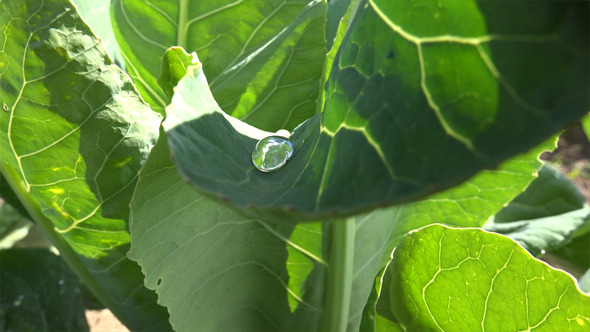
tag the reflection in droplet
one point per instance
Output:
(18, 301)
(542, 252)
(61, 282)
(272, 153)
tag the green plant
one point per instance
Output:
(404, 116)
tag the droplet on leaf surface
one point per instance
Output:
(272, 153)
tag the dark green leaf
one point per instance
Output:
(13, 226)
(8, 195)
(39, 293)
(469, 280)
(574, 258)
(73, 135)
(411, 108)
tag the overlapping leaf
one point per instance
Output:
(169, 221)
(412, 106)
(467, 279)
(264, 57)
(39, 293)
(73, 134)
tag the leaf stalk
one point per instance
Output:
(340, 273)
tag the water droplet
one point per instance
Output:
(61, 282)
(18, 301)
(272, 153)
(542, 252)
(5, 107)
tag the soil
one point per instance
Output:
(572, 158)
(104, 321)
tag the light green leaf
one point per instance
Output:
(97, 15)
(73, 135)
(264, 57)
(39, 293)
(586, 126)
(408, 112)
(468, 280)
(175, 64)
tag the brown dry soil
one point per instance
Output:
(104, 321)
(572, 158)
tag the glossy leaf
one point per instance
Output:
(264, 57)
(39, 293)
(467, 279)
(73, 134)
(411, 108)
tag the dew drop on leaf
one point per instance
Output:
(272, 153)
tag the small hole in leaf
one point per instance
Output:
(159, 282)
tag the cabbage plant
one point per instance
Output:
(301, 164)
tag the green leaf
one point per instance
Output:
(574, 258)
(264, 57)
(550, 194)
(276, 275)
(211, 266)
(467, 279)
(97, 15)
(543, 234)
(174, 66)
(13, 226)
(411, 108)
(586, 126)
(170, 220)
(8, 195)
(548, 215)
(39, 293)
(73, 135)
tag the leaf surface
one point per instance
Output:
(549, 194)
(264, 57)
(39, 292)
(73, 134)
(467, 279)
(410, 109)
(175, 229)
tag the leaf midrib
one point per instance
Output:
(182, 24)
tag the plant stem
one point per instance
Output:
(339, 283)
(65, 250)
(182, 22)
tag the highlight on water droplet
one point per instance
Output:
(272, 153)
